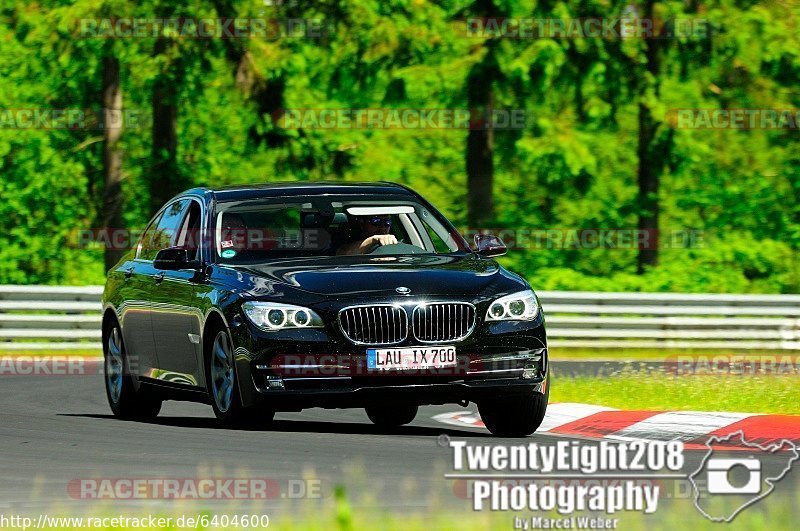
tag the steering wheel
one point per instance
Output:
(397, 248)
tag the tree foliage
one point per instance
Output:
(573, 166)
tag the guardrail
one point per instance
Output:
(50, 317)
(672, 320)
(62, 317)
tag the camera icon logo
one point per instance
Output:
(735, 474)
(719, 472)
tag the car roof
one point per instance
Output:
(298, 188)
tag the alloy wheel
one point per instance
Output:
(114, 365)
(222, 375)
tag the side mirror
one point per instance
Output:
(488, 245)
(173, 259)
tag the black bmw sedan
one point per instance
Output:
(282, 297)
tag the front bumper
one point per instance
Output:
(351, 394)
(299, 369)
(472, 379)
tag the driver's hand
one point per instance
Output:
(378, 240)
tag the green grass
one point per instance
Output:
(650, 353)
(56, 353)
(773, 515)
(777, 512)
(629, 390)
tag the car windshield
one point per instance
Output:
(249, 232)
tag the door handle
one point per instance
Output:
(128, 273)
(159, 277)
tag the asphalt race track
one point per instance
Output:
(58, 429)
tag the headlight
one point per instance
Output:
(520, 306)
(273, 316)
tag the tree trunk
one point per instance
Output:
(480, 138)
(648, 179)
(480, 175)
(112, 155)
(480, 142)
(266, 94)
(650, 159)
(165, 179)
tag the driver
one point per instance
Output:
(369, 232)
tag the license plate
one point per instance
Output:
(411, 358)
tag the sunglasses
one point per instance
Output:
(377, 221)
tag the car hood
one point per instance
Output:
(345, 277)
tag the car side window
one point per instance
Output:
(189, 236)
(147, 238)
(163, 233)
(439, 244)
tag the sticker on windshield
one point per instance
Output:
(226, 243)
(230, 253)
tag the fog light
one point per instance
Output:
(531, 368)
(275, 382)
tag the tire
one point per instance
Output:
(223, 385)
(391, 416)
(514, 415)
(125, 401)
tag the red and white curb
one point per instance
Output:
(694, 428)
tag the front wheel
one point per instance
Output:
(223, 387)
(124, 400)
(391, 416)
(514, 415)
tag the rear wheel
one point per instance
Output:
(514, 415)
(125, 401)
(223, 386)
(391, 416)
